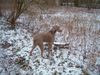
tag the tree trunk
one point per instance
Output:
(76, 3)
(0, 12)
(13, 22)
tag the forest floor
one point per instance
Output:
(81, 33)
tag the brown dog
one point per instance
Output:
(45, 37)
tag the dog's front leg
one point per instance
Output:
(49, 49)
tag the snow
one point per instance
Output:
(60, 43)
(97, 61)
(63, 61)
(98, 18)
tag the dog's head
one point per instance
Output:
(55, 29)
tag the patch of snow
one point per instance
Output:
(97, 61)
(63, 61)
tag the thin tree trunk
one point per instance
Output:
(0, 12)
(13, 22)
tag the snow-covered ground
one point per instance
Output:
(81, 31)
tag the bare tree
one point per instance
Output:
(0, 12)
(19, 6)
(76, 3)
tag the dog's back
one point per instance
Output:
(44, 37)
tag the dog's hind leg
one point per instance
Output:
(41, 47)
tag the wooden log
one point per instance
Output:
(61, 45)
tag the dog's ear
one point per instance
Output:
(53, 31)
(57, 28)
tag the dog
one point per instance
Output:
(48, 37)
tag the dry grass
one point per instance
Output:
(80, 30)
